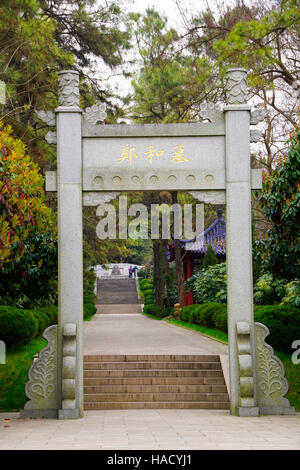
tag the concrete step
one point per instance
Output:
(146, 381)
(151, 365)
(207, 405)
(153, 397)
(118, 308)
(151, 358)
(117, 291)
(166, 373)
(168, 388)
(178, 381)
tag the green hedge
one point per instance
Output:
(159, 312)
(18, 326)
(283, 321)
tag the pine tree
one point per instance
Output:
(210, 258)
(280, 200)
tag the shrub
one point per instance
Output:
(42, 319)
(283, 322)
(204, 315)
(268, 290)
(89, 308)
(149, 300)
(209, 285)
(18, 326)
(292, 294)
(147, 292)
(219, 317)
(166, 311)
(188, 313)
(52, 312)
(157, 311)
(144, 283)
(210, 258)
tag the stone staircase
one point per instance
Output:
(117, 291)
(114, 382)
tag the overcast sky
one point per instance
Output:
(169, 8)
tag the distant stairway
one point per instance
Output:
(116, 382)
(116, 291)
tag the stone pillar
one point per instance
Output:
(238, 238)
(70, 281)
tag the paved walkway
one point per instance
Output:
(152, 429)
(149, 429)
(137, 334)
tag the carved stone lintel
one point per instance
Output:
(95, 114)
(257, 116)
(236, 86)
(209, 197)
(255, 135)
(48, 117)
(51, 138)
(211, 111)
(96, 199)
(41, 389)
(69, 88)
(272, 385)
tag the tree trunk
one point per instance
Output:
(178, 263)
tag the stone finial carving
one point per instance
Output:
(95, 114)
(2, 352)
(41, 389)
(211, 111)
(2, 92)
(272, 385)
(69, 88)
(209, 197)
(48, 117)
(96, 199)
(296, 86)
(255, 135)
(236, 86)
(257, 116)
(69, 372)
(51, 138)
(245, 369)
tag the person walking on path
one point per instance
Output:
(130, 270)
(134, 271)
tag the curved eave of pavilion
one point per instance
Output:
(214, 235)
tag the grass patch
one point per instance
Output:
(89, 318)
(14, 374)
(292, 373)
(209, 332)
(151, 316)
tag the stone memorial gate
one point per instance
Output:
(210, 160)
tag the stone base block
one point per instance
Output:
(277, 410)
(248, 412)
(69, 413)
(42, 413)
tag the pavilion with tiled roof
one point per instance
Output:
(194, 250)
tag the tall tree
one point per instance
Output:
(280, 199)
(40, 37)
